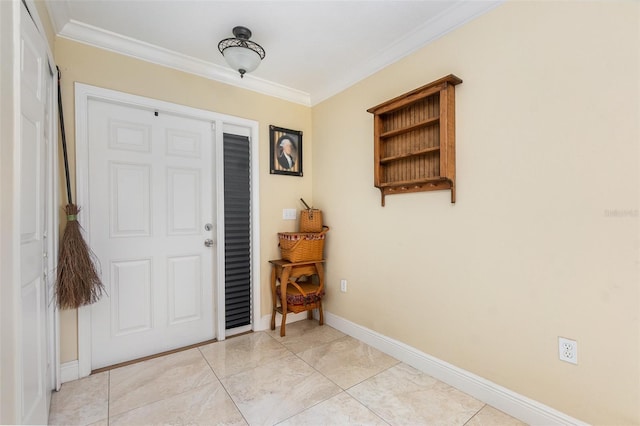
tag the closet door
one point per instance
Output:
(34, 140)
(237, 219)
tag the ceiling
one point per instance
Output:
(314, 48)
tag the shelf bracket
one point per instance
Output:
(453, 192)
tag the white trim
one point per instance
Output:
(53, 198)
(84, 340)
(519, 406)
(11, 354)
(220, 246)
(238, 330)
(265, 321)
(9, 229)
(256, 294)
(53, 227)
(69, 371)
(252, 132)
(31, 6)
(83, 93)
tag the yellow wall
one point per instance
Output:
(85, 64)
(543, 239)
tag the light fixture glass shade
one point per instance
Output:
(240, 53)
(241, 59)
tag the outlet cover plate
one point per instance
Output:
(568, 350)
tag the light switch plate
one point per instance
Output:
(289, 214)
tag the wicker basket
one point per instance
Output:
(311, 220)
(302, 246)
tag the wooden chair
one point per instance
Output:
(294, 294)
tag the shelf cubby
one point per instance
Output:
(414, 140)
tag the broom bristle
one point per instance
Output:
(78, 281)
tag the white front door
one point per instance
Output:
(35, 136)
(150, 212)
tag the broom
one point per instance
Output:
(78, 282)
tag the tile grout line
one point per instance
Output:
(475, 414)
(312, 367)
(222, 384)
(342, 390)
(317, 371)
(362, 381)
(166, 397)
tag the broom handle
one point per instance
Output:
(64, 140)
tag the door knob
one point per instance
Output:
(208, 242)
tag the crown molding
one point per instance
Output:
(97, 37)
(461, 12)
(450, 19)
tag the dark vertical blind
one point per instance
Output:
(237, 230)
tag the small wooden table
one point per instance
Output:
(288, 273)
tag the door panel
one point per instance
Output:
(130, 200)
(183, 204)
(131, 301)
(150, 195)
(33, 352)
(185, 287)
(33, 154)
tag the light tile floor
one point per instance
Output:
(315, 375)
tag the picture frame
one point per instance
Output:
(285, 151)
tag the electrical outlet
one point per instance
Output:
(343, 286)
(568, 350)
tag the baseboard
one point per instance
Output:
(265, 321)
(69, 371)
(512, 403)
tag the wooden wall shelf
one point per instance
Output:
(414, 140)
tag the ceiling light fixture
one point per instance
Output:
(240, 53)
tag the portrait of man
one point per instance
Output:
(286, 157)
(286, 151)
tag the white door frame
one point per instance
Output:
(221, 122)
(53, 199)
(10, 134)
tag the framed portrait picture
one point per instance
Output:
(286, 151)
